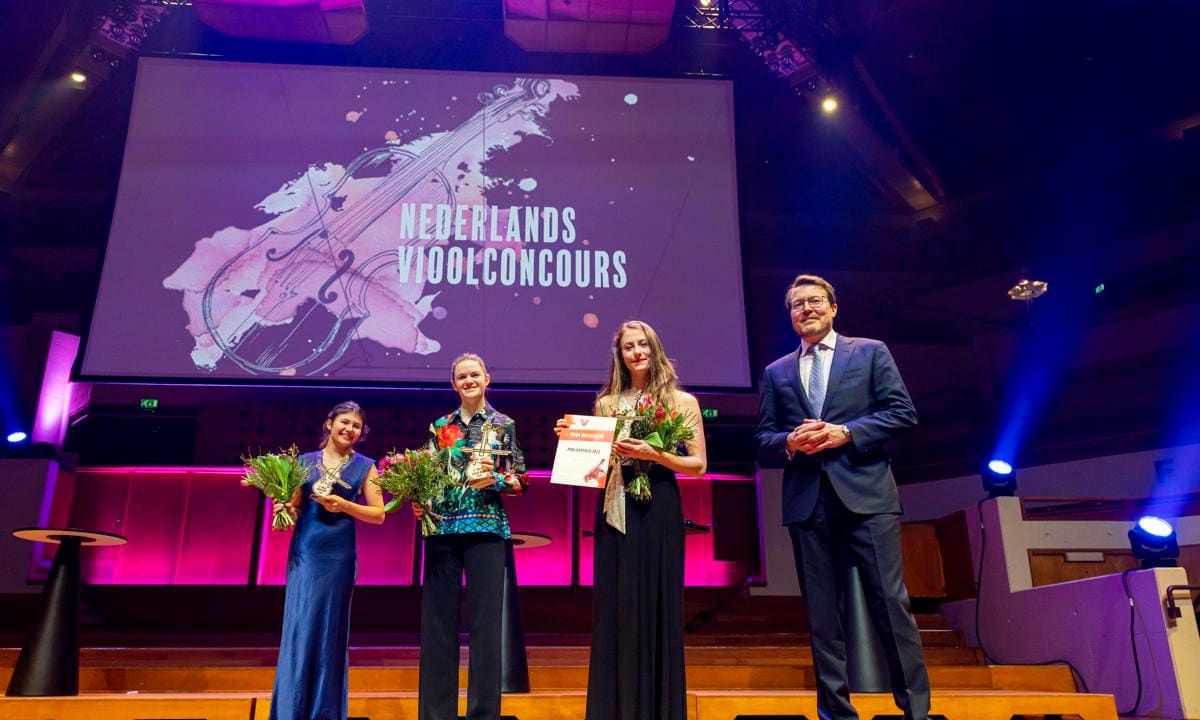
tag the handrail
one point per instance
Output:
(1173, 611)
(1044, 507)
(1193, 495)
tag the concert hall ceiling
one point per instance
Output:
(1058, 141)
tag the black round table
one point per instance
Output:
(49, 660)
(526, 541)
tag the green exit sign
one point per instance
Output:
(148, 403)
(708, 412)
(1100, 288)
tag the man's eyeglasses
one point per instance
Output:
(816, 303)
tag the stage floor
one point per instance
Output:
(724, 681)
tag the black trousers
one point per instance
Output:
(829, 541)
(481, 556)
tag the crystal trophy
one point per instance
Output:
(323, 487)
(488, 446)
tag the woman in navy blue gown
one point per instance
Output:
(311, 680)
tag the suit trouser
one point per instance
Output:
(481, 556)
(825, 544)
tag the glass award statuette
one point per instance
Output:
(330, 477)
(488, 446)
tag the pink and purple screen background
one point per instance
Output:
(647, 164)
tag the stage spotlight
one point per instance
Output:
(17, 437)
(999, 478)
(1153, 542)
(1028, 290)
(78, 78)
(829, 105)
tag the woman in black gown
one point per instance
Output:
(636, 668)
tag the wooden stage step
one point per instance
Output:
(562, 705)
(130, 707)
(403, 655)
(953, 704)
(549, 678)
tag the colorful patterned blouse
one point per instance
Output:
(467, 510)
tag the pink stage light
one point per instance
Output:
(196, 526)
(385, 552)
(50, 421)
(338, 22)
(56, 399)
(700, 567)
(185, 525)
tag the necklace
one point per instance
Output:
(623, 400)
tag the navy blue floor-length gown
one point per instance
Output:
(312, 678)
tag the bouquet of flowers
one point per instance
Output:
(277, 475)
(422, 475)
(662, 429)
(416, 476)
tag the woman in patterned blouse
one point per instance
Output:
(471, 535)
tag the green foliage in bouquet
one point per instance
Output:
(662, 429)
(419, 476)
(277, 476)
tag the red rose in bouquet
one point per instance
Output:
(662, 429)
(449, 436)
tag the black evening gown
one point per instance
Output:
(636, 670)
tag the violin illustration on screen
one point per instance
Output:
(290, 296)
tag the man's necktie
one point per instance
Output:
(816, 381)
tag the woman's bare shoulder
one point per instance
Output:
(686, 399)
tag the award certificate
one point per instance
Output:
(584, 451)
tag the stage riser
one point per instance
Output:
(390, 679)
(954, 705)
(403, 656)
(166, 707)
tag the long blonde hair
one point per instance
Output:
(662, 383)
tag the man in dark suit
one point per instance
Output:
(825, 411)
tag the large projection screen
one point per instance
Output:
(295, 224)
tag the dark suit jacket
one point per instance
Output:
(866, 394)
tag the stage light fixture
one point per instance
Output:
(78, 78)
(1153, 542)
(999, 478)
(829, 105)
(17, 437)
(1028, 290)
